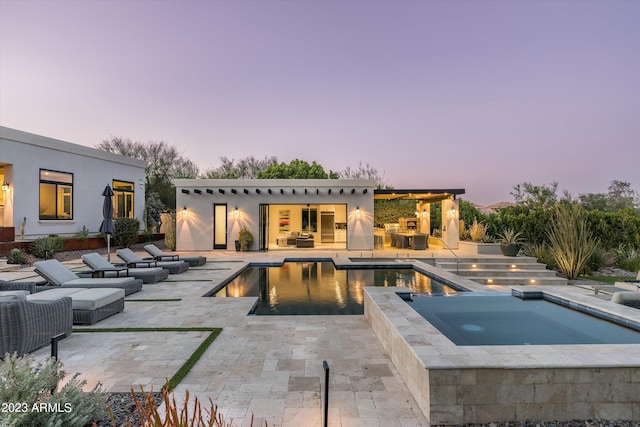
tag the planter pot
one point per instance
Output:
(7, 234)
(237, 245)
(510, 249)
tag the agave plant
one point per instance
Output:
(510, 236)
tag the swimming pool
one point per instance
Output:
(472, 319)
(317, 287)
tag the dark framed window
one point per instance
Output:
(310, 219)
(123, 197)
(56, 195)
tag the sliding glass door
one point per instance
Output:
(219, 226)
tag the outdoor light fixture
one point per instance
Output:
(358, 210)
(235, 212)
(184, 211)
(5, 185)
(417, 214)
(424, 212)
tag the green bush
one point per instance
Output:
(27, 383)
(540, 251)
(16, 256)
(601, 258)
(571, 241)
(126, 232)
(47, 247)
(628, 258)
(170, 235)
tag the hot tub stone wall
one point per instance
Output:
(482, 384)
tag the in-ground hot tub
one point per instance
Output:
(457, 384)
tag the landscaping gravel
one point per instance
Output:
(123, 408)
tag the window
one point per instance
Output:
(123, 199)
(309, 219)
(56, 195)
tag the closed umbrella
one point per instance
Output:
(107, 226)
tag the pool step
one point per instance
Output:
(502, 271)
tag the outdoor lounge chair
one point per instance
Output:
(630, 285)
(28, 325)
(102, 268)
(59, 275)
(88, 305)
(158, 255)
(134, 261)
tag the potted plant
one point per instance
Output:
(246, 239)
(510, 242)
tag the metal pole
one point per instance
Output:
(325, 365)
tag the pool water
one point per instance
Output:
(482, 319)
(299, 288)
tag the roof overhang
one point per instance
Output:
(424, 195)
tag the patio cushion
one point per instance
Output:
(53, 294)
(15, 294)
(92, 299)
(55, 272)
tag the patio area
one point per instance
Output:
(269, 367)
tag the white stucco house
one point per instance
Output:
(57, 186)
(295, 213)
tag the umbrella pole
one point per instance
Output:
(108, 247)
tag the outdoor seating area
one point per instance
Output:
(132, 260)
(157, 254)
(409, 240)
(100, 268)
(58, 275)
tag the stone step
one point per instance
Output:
(503, 272)
(492, 260)
(518, 280)
(449, 265)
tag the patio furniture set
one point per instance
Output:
(32, 313)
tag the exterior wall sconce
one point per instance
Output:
(5, 185)
(417, 214)
(235, 212)
(424, 212)
(358, 210)
(452, 212)
(184, 211)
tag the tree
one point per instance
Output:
(164, 163)
(620, 196)
(531, 195)
(296, 169)
(364, 172)
(244, 168)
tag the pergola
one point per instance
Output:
(425, 196)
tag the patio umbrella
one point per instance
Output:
(107, 226)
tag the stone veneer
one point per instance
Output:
(480, 384)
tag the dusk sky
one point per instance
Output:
(480, 95)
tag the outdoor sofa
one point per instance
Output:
(100, 267)
(59, 275)
(27, 325)
(158, 255)
(134, 261)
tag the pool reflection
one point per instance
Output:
(302, 288)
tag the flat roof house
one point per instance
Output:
(57, 186)
(295, 213)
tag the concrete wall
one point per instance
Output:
(24, 154)
(194, 231)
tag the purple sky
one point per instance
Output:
(480, 95)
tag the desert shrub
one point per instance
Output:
(540, 251)
(47, 247)
(170, 235)
(246, 239)
(153, 208)
(17, 256)
(600, 258)
(149, 414)
(570, 241)
(463, 231)
(126, 231)
(628, 258)
(84, 233)
(27, 383)
(478, 231)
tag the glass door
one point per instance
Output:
(264, 228)
(219, 226)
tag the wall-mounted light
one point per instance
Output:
(184, 211)
(452, 212)
(5, 185)
(424, 212)
(235, 212)
(358, 210)
(417, 214)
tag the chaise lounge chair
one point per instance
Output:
(102, 268)
(630, 285)
(28, 325)
(134, 261)
(158, 255)
(59, 275)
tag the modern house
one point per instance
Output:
(295, 213)
(55, 187)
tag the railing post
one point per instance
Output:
(325, 365)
